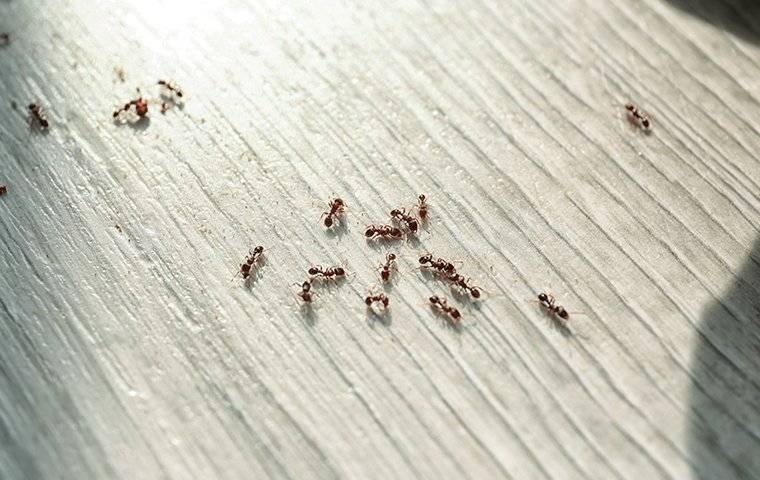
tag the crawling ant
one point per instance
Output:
(305, 294)
(3, 190)
(422, 207)
(383, 231)
(140, 104)
(5, 39)
(36, 115)
(251, 260)
(337, 209)
(464, 284)
(331, 273)
(400, 215)
(548, 302)
(171, 87)
(637, 115)
(441, 305)
(441, 265)
(387, 269)
(380, 298)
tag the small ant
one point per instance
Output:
(252, 258)
(387, 269)
(305, 294)
(638, 116)
(379, 298)
(548, 302)
(464, 284)
(440, 264)
(327, 273)
(141, 107)
(384, 231)
(442, 306)
(337, 209)
(36, 115)
(422, 207)
(171, 87)
(5, 39)
(400, 215)
(3, 190)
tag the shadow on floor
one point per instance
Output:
(740, 17)
(724, 431)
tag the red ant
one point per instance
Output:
(442, 306)
(36, 115)
(337, 209)
(252, 258)
(387, 269)
(548, 302)
(327, 273)
(384, 231)
(638, 116)
(464, 284)
(441, 265)
(400, 215)
(171, 87)
(3, 190)
(379, 298)
(422, 207)
(305, 294)
(5, 39)
(141, 107)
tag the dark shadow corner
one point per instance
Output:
(739, 17)
(724, 412)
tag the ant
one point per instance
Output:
(252, 258)
(379, 298)
(171, 87)
(548, 302)
(141, 107)
(422, 207)
(464, 284)
(327, 273)
(638, 116)
(440, 264)
(384, 231)
(400, 215)
(337, 209)
(305, 294)
(3, 190)
(442, 306)
(5, 39)
(36, 115)
(387, 269)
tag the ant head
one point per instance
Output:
(395, 212)
(368, 300)
(413, 226)
(434, 299)
(422, 198)
(32, 106)
(386, 301)
(542, 297)
(314, 270)
(475, 292)
(645, 123)
(370, 232)
(455, 314)
(339, 201)
(258, 249)
(306, 286)
(427, 258)
(328, 221)
(390, 257)
(339, 271)
(630, 107)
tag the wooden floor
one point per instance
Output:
(126, 352)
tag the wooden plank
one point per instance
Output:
(127, 352)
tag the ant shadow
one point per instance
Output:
(337, 230)
(724, 419)
(308, 313)
(384, 318)
(141, 124)
(740, 17)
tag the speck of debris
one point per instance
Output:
(5, 39)
(118, 227)
(14, 105)
(3, 190)
(120, 74)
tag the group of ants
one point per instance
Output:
(403, 224)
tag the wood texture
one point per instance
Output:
(127, 352)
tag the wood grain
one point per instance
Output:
(127, 352)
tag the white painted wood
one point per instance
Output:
(126, 352)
